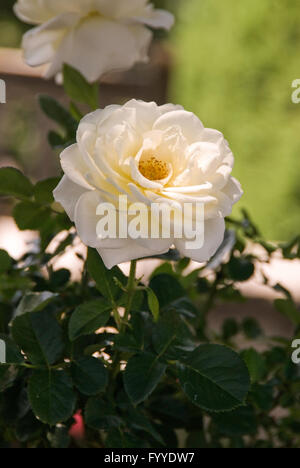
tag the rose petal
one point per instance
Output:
(67, 194)
(214, 230)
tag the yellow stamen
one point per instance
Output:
(154, 169)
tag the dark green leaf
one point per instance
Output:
(263, 396)
(31, 216)
(14, 183)
(51, 396)
(59, 114)
(99, 414)
(103, 277)
(251, 328)
(240, 422)
(89, 375)
(172, 338)
(5, 261)
(43, 190)
(55, 140)
(89, 317)
(139, 421)
(230, 328)
(142, 374)
(240, 268)
(215, 378)
(166, 288)
(33, 302)
(39, 335)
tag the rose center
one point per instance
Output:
(154, 169)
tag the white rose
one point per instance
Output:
(152, 154)
(93, 36)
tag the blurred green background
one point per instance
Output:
(233, 65)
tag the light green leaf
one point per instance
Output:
(256, 364)
(153, 304)
(79, 89)
(288, 308)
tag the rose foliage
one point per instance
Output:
(140, 362)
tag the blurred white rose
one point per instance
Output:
(153, 154)
(93, 36)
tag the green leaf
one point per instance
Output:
(142, 374)
(14, 183)
(263, 396)
(31, 216)
(139, 421)
(43, 190)
(89, 375)
(256, 364)
(103, 277)
(33, 302)
(59, 114)
(59, 278)
(99, 414)
(240, 422)
(288, 308)
(215, 378)
(39, 335)
(55, 140)
(171, 336)
(240, 268)
(153, 304)
(88, 318)
(166, 288)
(79, 89)
(5, 261)
(51, 396)
(230, 328)
(183, 306)
(251, 328)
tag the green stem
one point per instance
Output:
(130, 291)
(131, 288)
